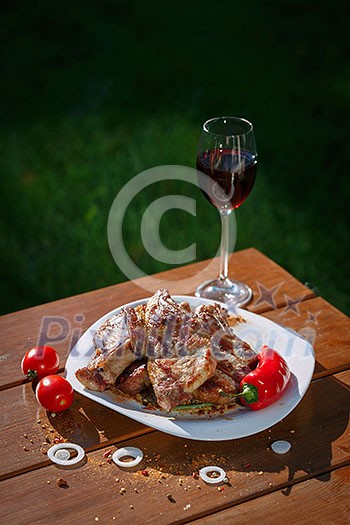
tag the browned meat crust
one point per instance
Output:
(119, 342)
(211, 391)
(134, 379)
(174, 380)
(183, 355)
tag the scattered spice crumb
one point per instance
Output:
(145, 473)
(25, 435)
(135, 490)
(292, 431)
(199, 487)
(26, 449)
(170, 498)
(62, 483)
(97, 518)
(187, 506)
(107, 454)
(117, 480)
(122, 491)
(132, 507)
(260, 473)
(48, 482)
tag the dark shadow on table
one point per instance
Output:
(321, 418)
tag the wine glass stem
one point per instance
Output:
(225, 219)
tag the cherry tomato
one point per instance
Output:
(54, 393)
(39, 362)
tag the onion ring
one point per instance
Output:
(60, 454)
(134, 452)
(213, 481)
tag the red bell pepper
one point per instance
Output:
(266, 383)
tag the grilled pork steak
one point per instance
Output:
(119, 342)
(134, 379)
(211, 391)
(175, 379)
(179, 356)
(167, 326)
(183, 355)
(235, 358)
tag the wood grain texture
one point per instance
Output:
(28, 430)
(325, 327)
(321, 500)
(169, 494)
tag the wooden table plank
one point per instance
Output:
(325, 327)
(68, 318)
(29, 430)
(272, 285)
(318, 430)
(331, 353)
(322, 500)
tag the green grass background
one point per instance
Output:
(93, 93)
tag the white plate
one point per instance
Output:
(239, 423)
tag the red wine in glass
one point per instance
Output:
(231, 176)
(226, 167)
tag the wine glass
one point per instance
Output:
(226, 165)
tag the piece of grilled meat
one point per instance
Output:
(179, 355)
(183, 355)
(119, 342)
(134, 379)
(235, 358)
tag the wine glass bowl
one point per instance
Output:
(226, 165)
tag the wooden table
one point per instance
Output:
(308, 484)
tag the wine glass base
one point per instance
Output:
(226, 291)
